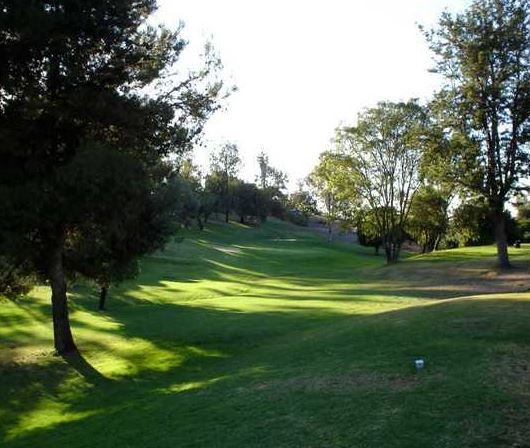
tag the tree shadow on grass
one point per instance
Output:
(78, 362)
(246, 397)
(301, 268)
(186, 393)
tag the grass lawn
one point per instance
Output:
(270, 337)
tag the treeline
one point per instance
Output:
(441, 173)
(221, 193)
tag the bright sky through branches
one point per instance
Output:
(304, 67)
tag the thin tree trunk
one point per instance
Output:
(330, 232)
(62, 334)
(392, 250)
(437, 242)
(397, 251)
(102, 297)
(227, 216)
(501, 241)
(388, 252)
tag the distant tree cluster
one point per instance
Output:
(222, 192)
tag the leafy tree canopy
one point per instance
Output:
(484, 107)
(385, 153)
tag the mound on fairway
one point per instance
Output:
(271, 337)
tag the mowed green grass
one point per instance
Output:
(270, 337)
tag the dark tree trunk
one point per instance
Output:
(330, 232)
(388, 253)
(102, 297)
(242, 219)
(62, 334)
(397, 251)
(227, 216)
(392, 250)
(501, 241)
(377, 249)
(200, 223)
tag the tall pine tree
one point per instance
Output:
(71, 82)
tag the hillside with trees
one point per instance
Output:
(164, 282)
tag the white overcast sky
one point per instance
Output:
(304, 67)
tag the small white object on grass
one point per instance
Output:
(419, 363)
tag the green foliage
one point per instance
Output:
(522, 205)
(272, 183)
(471, 224)
(106, 243)
(368, 230)
(484, 107)
(523, 226)
(270, 177)
(276, 203)
(331, 180)
(226, 161)
(429, 220)
(250, 203)
(15, 279)
(303, 202)
(384, 151)
(224, 167)
(187, 199)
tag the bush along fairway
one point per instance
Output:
(271, 337)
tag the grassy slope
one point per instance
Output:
(272, 338)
